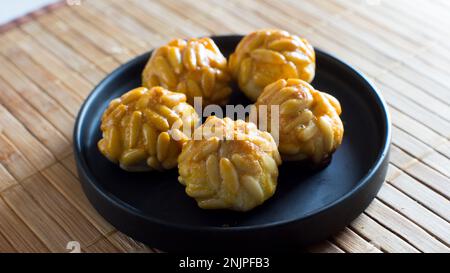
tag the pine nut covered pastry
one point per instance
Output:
(195, 67)
(233, 165)
(309, 124)
(267, 55)
(143, 129)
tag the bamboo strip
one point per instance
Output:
(324, 247)
(380, 236)
(69, 164)
(149, 22)
(76, 84)
(415, 111)
(6, 179)
(421, 11)
(5, 246)
(234, 24)
(128, 23)
(168, 17)
(430, 177)
(278, 18)
(102, 246)
(70, 187)
(335, 7)
(396, 41)
(429, 221)
(435, 81)
(132, 42)
(43, 103)
(437, 61)
(422, 194)
(416, 129)
(18, 234)
(412, 165)
(438, 162)
(249, 17)
(127, 244)
(392, 172)
(351, 5)
(25, 142)
(441, 51)
(363, 41)
(14, 161)
(433, 104)
(64, 53)
(406, 145)
(444, 149)
(403, 160)
(357, 47)
(48, 231)
(393, 23)
(38, 125)
(403, 227)
(411, 20)
(45, 80)
(183, 9)
(351, 242)
(54, 204)
(104, 42)
(318, 14)
(409, 143)
(252, 18)
(69, 36)
(321, 40)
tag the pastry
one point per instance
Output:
(195, 67)
(229, 165)
(267, 55)
(309, 124)
(143, 129)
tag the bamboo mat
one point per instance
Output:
(51, 60)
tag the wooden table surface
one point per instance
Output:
(51, 60)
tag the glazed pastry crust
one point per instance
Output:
(195, 67)
(143, 129)
(221, 173)
(309, 124)
(267, 55)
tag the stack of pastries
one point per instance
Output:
(224, 164)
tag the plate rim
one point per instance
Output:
(82, 165)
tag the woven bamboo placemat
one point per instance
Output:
(51, 59)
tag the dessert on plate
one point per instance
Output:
(267, 55)
(143, 129)
(309, 124)
(229, 165)
(195, 67)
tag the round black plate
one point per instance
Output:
(308, 206)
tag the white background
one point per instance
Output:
(11, 9)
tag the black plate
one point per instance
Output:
(308, 206)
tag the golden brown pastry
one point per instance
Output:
(267, 55)
(232, 165)
(143, 129)
(309, 123)
(195, 67)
